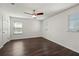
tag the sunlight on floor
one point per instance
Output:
(18, 48)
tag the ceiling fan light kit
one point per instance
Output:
(34, 14)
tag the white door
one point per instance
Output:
(0, 31)
(6, 30)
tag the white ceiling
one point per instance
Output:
(48, 8)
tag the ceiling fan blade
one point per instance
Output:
(40, 13)
(28, 13)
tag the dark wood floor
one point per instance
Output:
(35, 47)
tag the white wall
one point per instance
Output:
(31, 28)
(56, 30)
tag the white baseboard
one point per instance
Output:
(25, 37)
(1, 46)
(62, 45)
(4, 43)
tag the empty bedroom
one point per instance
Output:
(39, 29)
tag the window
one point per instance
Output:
(74, 22)
(18, 27)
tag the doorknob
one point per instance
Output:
(3, 32)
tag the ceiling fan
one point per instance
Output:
(34, 14)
